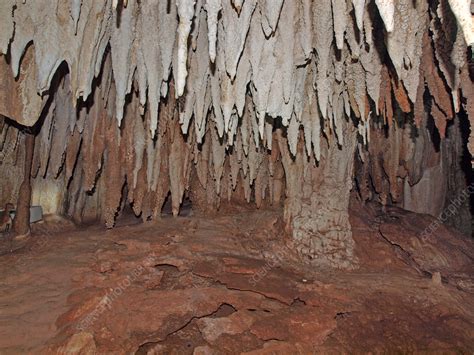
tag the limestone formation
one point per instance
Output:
(268, 102)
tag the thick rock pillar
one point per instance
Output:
(316, 208)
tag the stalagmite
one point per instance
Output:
(21, 222)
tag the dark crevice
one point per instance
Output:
(405, 256)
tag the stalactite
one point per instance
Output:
(442, 107)
(404, 44)
(22, 103)
(322, 25)
(468, 93)
(387, 11)
(359, 7)
(339, 19)
(212, 7)
(270, 11)
(462, 11)
(7, 25)
(113, 174)
(186, 13)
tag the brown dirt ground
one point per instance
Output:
(230, 284)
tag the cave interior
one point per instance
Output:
(236, 176)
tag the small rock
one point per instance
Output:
(105, 266)
(80, 343)
(436, 278)
(155, 350)
(154, 280)
(203, 350)
(236, 323)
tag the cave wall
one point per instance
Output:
(260, 102)
(413, 168)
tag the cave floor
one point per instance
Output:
(229, 284)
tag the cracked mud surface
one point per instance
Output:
(230, 284)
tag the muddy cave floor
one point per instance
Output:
(229, 284)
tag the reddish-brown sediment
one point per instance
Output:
(233, 284)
